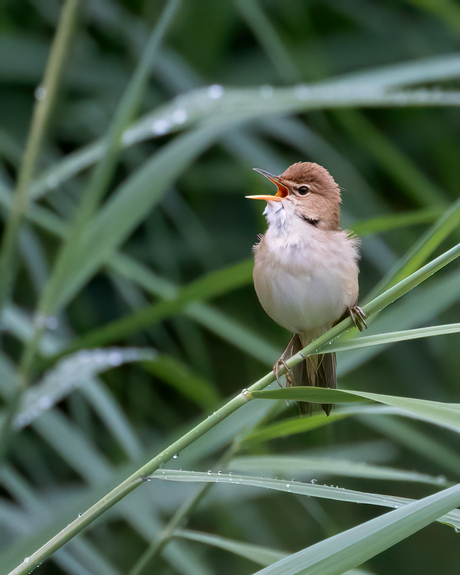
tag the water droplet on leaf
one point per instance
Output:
(40, 93)
(160, 127)
(215, 91)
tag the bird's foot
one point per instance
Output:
(288, 373)
(358, 317)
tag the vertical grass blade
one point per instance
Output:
(46, 98)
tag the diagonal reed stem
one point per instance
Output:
(137, 478)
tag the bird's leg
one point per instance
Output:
(282, 363)
(358, 317)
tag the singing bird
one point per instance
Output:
(306, 269)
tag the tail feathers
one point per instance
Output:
(315, 371)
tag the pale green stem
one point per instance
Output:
(149, 468)
(46, 96)
(136, 479)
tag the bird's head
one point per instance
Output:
(309, 191)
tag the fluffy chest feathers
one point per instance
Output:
(305, 277)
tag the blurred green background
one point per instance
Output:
(392, 162)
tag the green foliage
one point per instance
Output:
(122, 196)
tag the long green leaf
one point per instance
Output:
(102, 174)
(392, 337)
(210, 286)
(125, 210)
(256, 553)
(443, 414)
(355, 546)
(242, 104)
(306, 465)
(71, 373)
(309, 489)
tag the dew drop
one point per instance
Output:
(288, 485)
(46, 321)
(175, 456)
(457, 529)
(26, 560)
(314, 481)
(209, 472)
(80, 514)
(215, 92)
(219, 473)
(51, 322)
(44, 403)
(40, 93)
(160, 127)
(115, 358)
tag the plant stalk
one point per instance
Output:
(46, 97)
(136, 479)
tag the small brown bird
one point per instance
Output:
(306, 269)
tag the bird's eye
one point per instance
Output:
(303, 190)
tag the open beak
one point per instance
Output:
(281, 193)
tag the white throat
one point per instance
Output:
(284, 226)
(278, 217)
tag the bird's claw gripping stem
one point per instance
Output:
(276, 369)
(358, 317)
